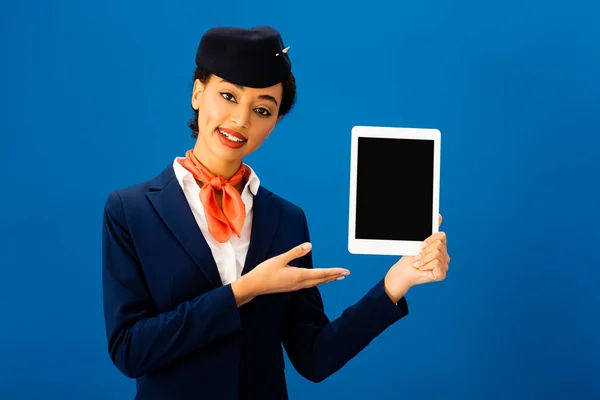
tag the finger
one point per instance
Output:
(437, 251)
(436, 236)
(435, 245)
(444, 249)
(316, 282)
(440, 220)
(439, 273)
(430, 261)
(316, 274)
(296, 252)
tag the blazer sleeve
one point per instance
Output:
(140, 339)
(318, 347)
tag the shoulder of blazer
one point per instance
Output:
(139, 190)
(135, 193)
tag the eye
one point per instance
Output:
(228, 96)
(263, 111)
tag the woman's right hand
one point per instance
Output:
(275, 275)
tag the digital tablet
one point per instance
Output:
(394, 189)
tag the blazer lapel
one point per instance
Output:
(265, 220)
(170, 203)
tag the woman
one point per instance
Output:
(206, 273)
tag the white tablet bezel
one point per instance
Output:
(391, 247)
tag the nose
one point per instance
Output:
(241, 118)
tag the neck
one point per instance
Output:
(215, 165)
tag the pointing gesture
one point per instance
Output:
(275, 275)
(279, 276)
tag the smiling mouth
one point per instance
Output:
(232, 137)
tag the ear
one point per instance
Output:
(196, 92)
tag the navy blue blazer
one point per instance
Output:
(174, 327)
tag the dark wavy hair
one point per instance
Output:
(287, 102)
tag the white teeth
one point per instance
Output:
(231, 137)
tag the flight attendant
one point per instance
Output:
(208, 275)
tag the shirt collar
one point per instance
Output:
(185, 177)
(253, 183)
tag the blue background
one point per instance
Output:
(95, 96)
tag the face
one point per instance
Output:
(233, 121)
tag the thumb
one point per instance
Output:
(296, 252)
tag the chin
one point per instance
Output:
(230, 156)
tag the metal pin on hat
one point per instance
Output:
(283, 51)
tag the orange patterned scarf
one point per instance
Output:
(221, 223)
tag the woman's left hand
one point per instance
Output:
(430, 265)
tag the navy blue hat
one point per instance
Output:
(254, 57)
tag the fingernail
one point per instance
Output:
(345, 273)
(340, 278)
(418, 257)
(416, 265)
(423, 245)
(306, 246)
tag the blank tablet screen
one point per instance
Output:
(394, 189)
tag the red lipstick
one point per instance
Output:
(231, 142)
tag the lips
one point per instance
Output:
(233, 133)
(231, 138)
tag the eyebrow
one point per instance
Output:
(262, 96)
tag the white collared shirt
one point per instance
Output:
(231, 255)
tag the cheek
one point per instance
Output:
(211, 114)
(262, 129)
